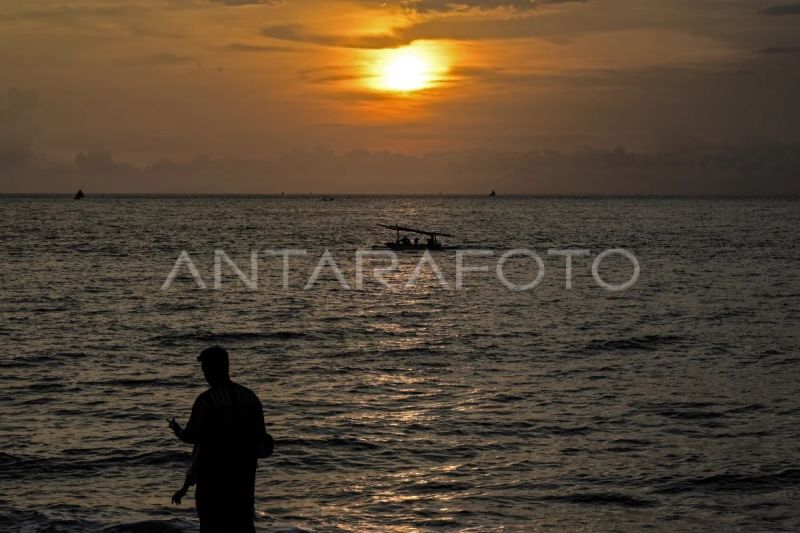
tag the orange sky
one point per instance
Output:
(148, 79)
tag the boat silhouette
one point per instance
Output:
(406, 244)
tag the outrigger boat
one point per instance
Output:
(406, 244)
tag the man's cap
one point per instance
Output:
(214, 354)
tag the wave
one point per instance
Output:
(60, 519)
(421, 351)
(686, 410)
(746, 408)
(22, 361)
(566, 431)
(171, 339)
(744, 483)
(699, 410)
(151, 526)
(342, 442)
(646, 342)
(37, 521)
(56, 519)
(36, 467)
(141, 382)
(603, 498)
(177, 306)
(691, 415)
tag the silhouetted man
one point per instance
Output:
(227, 425)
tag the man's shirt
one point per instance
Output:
(228, 424)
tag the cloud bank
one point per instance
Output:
(727, 170)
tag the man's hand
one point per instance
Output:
(175, 427)
(178, 496)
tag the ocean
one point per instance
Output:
(672, 405)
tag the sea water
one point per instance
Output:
(670, 406)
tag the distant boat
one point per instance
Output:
(405, 244)
(492, 194)
(327, 199)
(78, 195)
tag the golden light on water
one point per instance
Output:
(409, 69)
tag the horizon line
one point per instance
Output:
(399, 195)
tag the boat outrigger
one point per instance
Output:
(405, 243)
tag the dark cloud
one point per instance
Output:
(16, 127)
(161, 59)
(298, 33)
(556, 26)
(70, 12)
(330, 74)
(442, 6)
(734, 27)
(248, 47)
(640, 79)
(778, 11)
(780, 50)
(247, 2)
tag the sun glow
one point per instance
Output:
(408, 69)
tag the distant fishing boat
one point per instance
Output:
(406, 244)
(492, 194)
(78, 195)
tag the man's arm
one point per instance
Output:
(265, 444)
(195, 427)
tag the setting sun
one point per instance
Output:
(408, 69)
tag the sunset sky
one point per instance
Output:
(151, 79)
